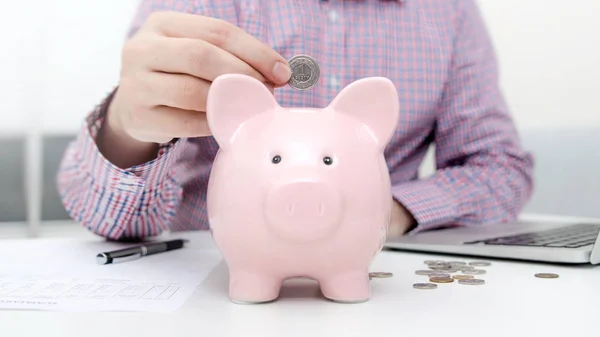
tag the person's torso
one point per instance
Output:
(407, 41)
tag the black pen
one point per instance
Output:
(133, 253)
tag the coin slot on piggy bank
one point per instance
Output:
(297, 192)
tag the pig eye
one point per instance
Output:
(276, 159)
(327, 160)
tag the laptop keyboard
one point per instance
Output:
(565, 237)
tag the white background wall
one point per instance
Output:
(549, 53)
(61, 58)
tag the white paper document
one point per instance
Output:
(62, 275)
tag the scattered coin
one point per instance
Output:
(426, 272)
(457, 263)
(472, 281)
(480, 264)
(440, 275)
(462, 277)
(466, 267)
(474, 272)
(441, 279)
(441, 267)
(433, 262)
(305, 72)
(546, 275)
(380, 275)
(424, 286)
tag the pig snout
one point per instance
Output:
(303, 211)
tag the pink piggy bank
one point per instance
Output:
(300, 192)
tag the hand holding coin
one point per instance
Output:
(167, 68)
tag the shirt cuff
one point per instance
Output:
(431, 206)
(108, 176)
(105, 174)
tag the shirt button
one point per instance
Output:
(333, 15)
(333, 82)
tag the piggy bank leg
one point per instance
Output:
(350, 287)
(252, 287)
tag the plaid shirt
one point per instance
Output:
(438, 54)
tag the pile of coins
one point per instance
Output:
(441, 272)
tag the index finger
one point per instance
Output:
(226, 36)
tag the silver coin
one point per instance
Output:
(426, 272)
(480, 264)
(471, 281)
(440, 275)
(546, 275)
(457, 263)
(380, 275)
(474, 272)
(430, 262)
(465, 267)
(305, 72)
(424, 285)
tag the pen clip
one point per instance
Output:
(127, 258)
(103, 258)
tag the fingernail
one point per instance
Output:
(281, 72)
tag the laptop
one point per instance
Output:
(566, 241)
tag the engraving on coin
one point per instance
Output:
(474, 272)
(546, 275)
(305, 72)
(441, 279)
(480, 264)
(424, 286)
(380, 275)
(472, 282)
(462, 277)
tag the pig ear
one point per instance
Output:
(372, 101)
(232, 100)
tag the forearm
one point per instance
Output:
(113, 202)
(488, 188)
(121, 149)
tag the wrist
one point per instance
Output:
(117, 146)
(402, 221)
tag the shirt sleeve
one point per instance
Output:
(112, 202)
(122, 203)
(483, 175)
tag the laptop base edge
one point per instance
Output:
(513, 253)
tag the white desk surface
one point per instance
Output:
(512, 303)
